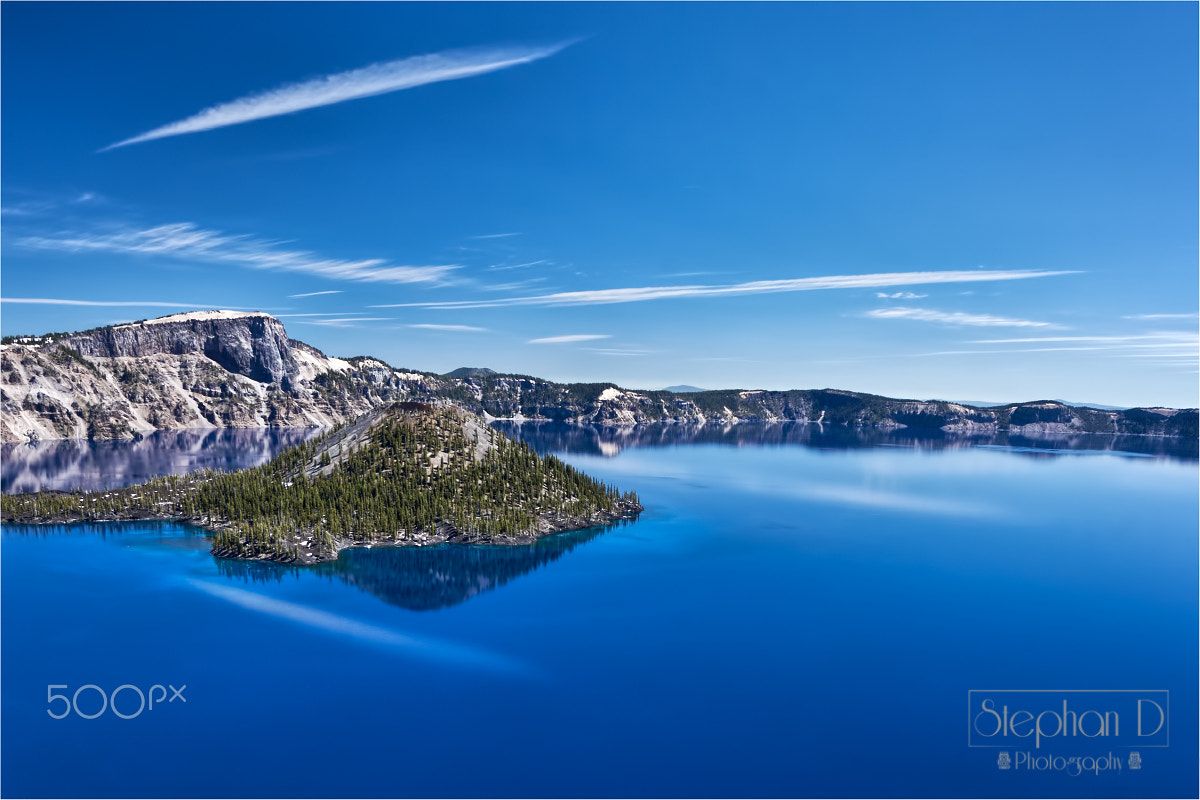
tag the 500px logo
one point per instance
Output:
(108, 702)
(1113, 718)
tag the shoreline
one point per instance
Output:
(445, 533)
(956, 429)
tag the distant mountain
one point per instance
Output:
(683, 388)
(471, 372)
(238, 370)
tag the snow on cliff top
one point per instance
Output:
(320, 363)
(199, 315)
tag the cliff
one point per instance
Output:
(198, 370)
(255, 346)
(224, 369)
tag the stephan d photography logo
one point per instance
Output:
(1044, 730)
(1013, 718)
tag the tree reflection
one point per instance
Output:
(423, 578)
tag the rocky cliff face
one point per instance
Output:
(255, 346)
(222, 369)
(199, 370)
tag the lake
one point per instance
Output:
(798, 612)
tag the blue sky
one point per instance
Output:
(965, 201)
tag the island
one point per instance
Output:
(406, 473)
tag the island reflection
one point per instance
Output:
(73, 464)
(423, 578)
(428, 578)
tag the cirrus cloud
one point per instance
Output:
(189, 242)
(55, 301)
(375, 79)
(900, 296)
(595, 297)
(572, 337)
(428, 326)
(956, 318)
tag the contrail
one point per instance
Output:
(388, 76)
(364, 632)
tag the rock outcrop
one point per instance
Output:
(255, 346)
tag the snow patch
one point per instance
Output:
(610, 394)
(370, 363)
(189, 316)
(319, 363)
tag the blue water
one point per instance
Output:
(66, 464)
(782, 621)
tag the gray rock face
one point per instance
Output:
(255, 346)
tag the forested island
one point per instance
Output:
(402, 474)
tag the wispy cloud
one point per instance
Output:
(54, 301)
(574, 337)
(1100, 350)
(513, 286)
(343, 322)
(694, 274)
(381, 78)
(1173, 346)
(1183, 338)
(955, 318)
(43, 205)
(639, 294)
(432, 327)
(314, 294)
(613, 351)
(27, 209)
(900, 296)
(1162, 316)
(527, 264)
(188, 242)
(494, 236)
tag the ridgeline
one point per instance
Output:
(227, 369)
(403, 474)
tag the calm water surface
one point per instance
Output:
(784, 620)
(67, 464)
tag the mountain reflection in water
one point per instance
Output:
(71, 464)
(427, 578)
(74, 464)
(606, 440)
(423, 578)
